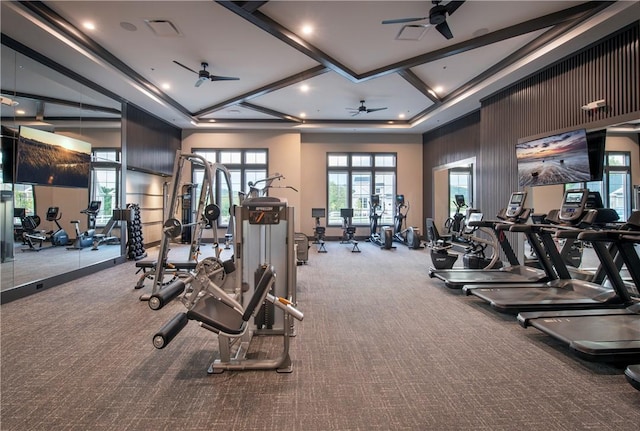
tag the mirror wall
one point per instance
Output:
(38, 97)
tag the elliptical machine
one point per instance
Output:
(409, 236)
(85, 239)
(455, 224)
(385, 241)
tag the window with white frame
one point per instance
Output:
(351, 180)
(615, 187)
(105, 170)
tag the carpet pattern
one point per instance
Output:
(381, 347)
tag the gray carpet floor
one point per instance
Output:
(381, 347)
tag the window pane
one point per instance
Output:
(360, 195)
(360, 160)
(231, 157)
(209, 156)
(236, 184)
(617, 160)
(23, 198)
(385, 160)
(104, 190)
(338, 160)
(385, 187)
(338, 196)
(617, 192)
(105, 155)
(459, 184)
(255, 157)
(253, 175)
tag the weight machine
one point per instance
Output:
(206, 213)
(264, 247)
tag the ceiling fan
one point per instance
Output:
(204, 74)
(362, 108)
(437, 17)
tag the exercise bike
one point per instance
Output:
(348, 230)
(35, 238)
(409, 236)
(319, 230)
(385, 241)
(86, 238)
(59, 236)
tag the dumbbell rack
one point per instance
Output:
(135, 242)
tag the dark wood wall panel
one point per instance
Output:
(456, 141)
(547, 102)
(550, 101)
(151, 143)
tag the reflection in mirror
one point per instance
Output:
(56, 232)
(452, 179)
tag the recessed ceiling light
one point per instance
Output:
(307, 29)
(303, 115)
(400, 115)
(438, 89)
(20, 111)
(304, 88)
(89, 25)
(212, 120)
(166, 86)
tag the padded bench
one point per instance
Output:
(148, 268)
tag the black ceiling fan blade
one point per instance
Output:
(452, 6)
(223, 78)
(186, 67)
(402, 20)
(375, 109)
(444, 29)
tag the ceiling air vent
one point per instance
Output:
(412, 32)
(163, 27)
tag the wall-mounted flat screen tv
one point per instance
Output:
(8, 139)
(52, 159)
(596, 142)
(556, 159)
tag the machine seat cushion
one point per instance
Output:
(218, 315)
(190, 265)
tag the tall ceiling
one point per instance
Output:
(289, 79)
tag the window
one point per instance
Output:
(460, 183)
(615, 187)
(244, 166)
(351, 180)
(105, 169)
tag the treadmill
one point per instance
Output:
(515, 213)
(564, 292)
(632, 373)
(599, 334)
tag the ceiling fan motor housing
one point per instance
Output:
(437, 15)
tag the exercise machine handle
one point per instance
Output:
(285, 305)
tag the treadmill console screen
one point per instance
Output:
(573, 204)
(516, 204)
